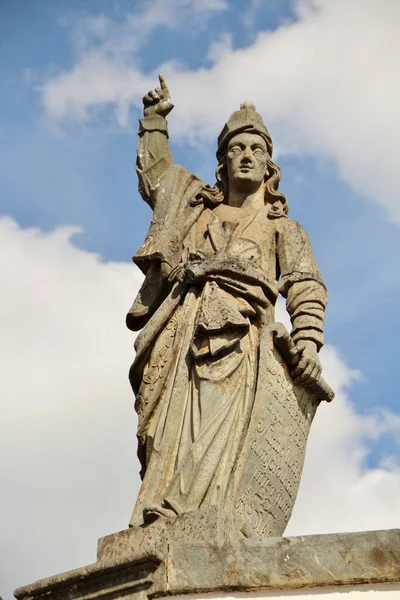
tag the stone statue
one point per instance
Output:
(224, 395)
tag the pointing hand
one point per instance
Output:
(158, 101)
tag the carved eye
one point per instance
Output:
(235, 149)
(259, 152)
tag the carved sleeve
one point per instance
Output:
(154, 157)
(301, 283)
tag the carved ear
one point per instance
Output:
(218, 173)
(221, 177)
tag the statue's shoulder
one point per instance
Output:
(175, 189)
(289, 227)
(178, 175)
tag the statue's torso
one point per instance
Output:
(245, 234)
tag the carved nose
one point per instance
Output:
(247, 155)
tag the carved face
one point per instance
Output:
(246, 161)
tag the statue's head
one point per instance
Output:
(246, 120)
(245, 158)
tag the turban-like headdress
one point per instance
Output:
(245, 120)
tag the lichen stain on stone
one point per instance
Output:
(378, 557)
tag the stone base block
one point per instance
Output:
(136, 565)
(211, 525)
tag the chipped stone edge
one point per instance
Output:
(316, 561)
(245, 566)
(53, 587)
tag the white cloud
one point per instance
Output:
(338, 491)
(103, 74)
(67, 430)
(68, 426)
(327, 84)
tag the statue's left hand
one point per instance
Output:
(308, 369)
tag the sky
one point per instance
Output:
(324, 75)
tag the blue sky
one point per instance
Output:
(72, 80)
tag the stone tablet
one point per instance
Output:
(274, 449)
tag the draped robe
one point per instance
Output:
(213, 274)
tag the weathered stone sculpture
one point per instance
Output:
(225, 397)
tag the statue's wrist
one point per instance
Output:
(153, 122)
(307, 344)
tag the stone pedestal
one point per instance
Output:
(198, 554)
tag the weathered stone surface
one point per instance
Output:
(210, 525)
(113, 580)
(225, 402)
(287, 563)
(317, 561)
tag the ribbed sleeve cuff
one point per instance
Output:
(153, 123)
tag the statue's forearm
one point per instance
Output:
(154, 157)
(301, 283)
(306, 301)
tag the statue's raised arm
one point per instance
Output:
(171, 191)
(154, 157)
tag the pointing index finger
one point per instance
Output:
(163, 83)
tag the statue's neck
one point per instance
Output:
(243, 199)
